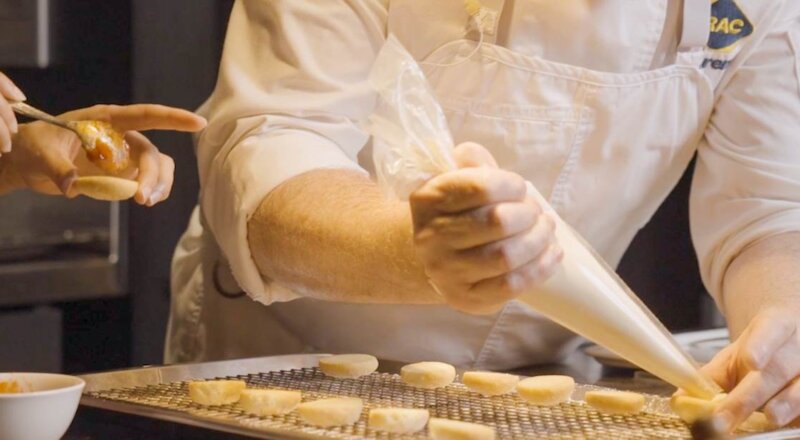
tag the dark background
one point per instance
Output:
(167, 52)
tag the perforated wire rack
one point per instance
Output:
(511, 417)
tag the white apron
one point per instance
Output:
(560, 126)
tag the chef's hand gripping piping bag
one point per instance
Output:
(412, 143)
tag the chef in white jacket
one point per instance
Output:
(600, 103)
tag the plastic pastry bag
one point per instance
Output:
(412, 143)
(411, 140)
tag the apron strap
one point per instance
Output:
(696, 24)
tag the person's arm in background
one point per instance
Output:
(47, 159)
(745, 213)
(8, 122)
(292, 211)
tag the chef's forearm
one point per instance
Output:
(332, 234)
(764, 275)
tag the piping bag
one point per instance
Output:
(412, 143)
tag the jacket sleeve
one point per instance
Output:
(747, 181)
(290, 97)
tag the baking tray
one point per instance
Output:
(160, 393)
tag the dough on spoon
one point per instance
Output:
(615, 402)
(428, 375)
(216, 392)
(336, 411)
(106, 187)
(490, 383)
(444, 429)
(546, 390)
(262, 402)
(398, 420)
(348, 366)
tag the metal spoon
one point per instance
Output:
(33, 112)
(105, 146)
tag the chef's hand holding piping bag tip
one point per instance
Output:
(9, 92)
(760, 371)
(48, 159)
(414, 156)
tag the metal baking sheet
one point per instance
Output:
(160, 392)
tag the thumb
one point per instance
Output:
(62, 172)
(472, 155)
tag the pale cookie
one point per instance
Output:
(490, 383)
(261, 402)
(691, 409)
(336, 411)
(546, 390)
(216, 392)
(348, 366)
(398, 420)
(758, 422)
(444, 429)
(615, 402)
(428, 375)
(106, 188)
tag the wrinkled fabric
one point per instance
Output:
(589, 100)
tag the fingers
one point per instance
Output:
(471, 155)
(764, 336)
(785, 407)
(148, 161)
(5, 128)
(165, 180)
(719, 369)
(154, 117)
(504, 256)
(55, 168)
(140, 117)
(480, 226)
(156, 171)
(8, 122)
(465, 189)
(485, 294)
(44, 158)
(9, 90)
(758, 386)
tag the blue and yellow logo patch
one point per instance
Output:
(728, 25)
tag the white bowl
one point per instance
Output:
(43, 410)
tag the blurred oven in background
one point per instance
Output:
(85, 280)
(28, 33)
(57, 250)
(63, 274)
(53, 252)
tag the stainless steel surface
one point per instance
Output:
(25, 33)
(60, 280)
(54, 249)
(160, 392)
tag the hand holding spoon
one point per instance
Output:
(104, 146)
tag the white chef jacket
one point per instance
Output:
(600, 103)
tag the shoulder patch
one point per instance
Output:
(729, 24)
